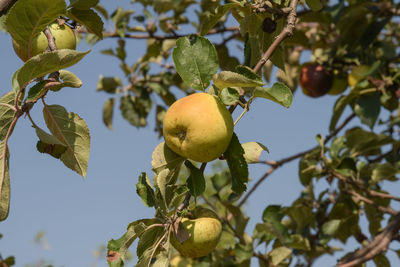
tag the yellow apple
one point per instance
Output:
(357, 73)
(205, 231)
(63, 35)
(178, 261)
(198, 127)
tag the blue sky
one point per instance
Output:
(79, 215)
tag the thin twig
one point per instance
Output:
(162, 37)
(276, 164)
(378, 245)
(360, 198)
(286, 32)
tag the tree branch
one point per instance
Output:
(5, 5)
(286, 32)
(379, 245)
(276, 164)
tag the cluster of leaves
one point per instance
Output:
(69, 138)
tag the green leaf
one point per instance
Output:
(209, 22)
(70, 79)
(234, 156)
(330, 227)
(43, 64)
(299, 242)
(4, 182)
(49, 144)
(195, 60)
(73, 133)
(278, 93)
(383, 172)
(135, 110)
(164, 158)
(108, 110)
(36, 92)
(195, 182)
(280, 254)
(6, 113)
(367, 108)
(148, 244)
(145, 191)
(229, 96)
(249, 73)
(338, 109)
(116, 249)
(252, 151)
(109, 84)
(314, 5)
(23, 28)
(89, 19)
(233, 79)
(83, 4)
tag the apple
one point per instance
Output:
(205, 231)
(357, 74)
(198, 127)
(315, 80)
(64, 37)
(178, 261)
(339, 84)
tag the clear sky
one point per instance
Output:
(79, 215)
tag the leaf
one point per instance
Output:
(233, 79)
(49, 144)
(164, 158)
(338, 109)
(330, 227)
(145, 191)
(28, 18)
(209, 22)
(229, 96)
(314, 5)
(73, 133)
(383, 172)
(237, 165)
(280, 254)
(36, 92)
(195, 60)
(6, 113)
(367, 108)
(252, 151)
(109, 84)
(195, 181)
(299, 242)
(278, 93)
(135, 110)
(116, 249)
(43, 64)
(89, 19)
(4, 182)
(108, 110)
(248, 72)
(83, 4)
(70, 79)
(148, 244)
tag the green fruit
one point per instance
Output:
(357, 74)
(198, 127)
(64, 39)
(205, 231)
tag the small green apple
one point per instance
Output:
(198, 127)
(205, 231)
(63, 35)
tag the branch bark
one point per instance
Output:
(379, 245)
(5, 5)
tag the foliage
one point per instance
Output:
(339, 35)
